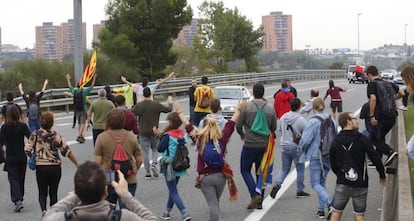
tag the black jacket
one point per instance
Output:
(342, 160)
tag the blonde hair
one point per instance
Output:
(211, 131)
(407, 75)
(318, 104)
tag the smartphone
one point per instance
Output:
(111, 175)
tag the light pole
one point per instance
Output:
(405, 34)
(78, 56)
(358, 30)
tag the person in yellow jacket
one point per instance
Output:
(202, 95)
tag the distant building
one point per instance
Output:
(96, 29)
(187, 34)
(277, 29)
(57, 42)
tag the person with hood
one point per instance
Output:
(291, 128)
(282, 99)
(171, 138)
(319, 165)
(215, 114)
(347, 155)
(336, 100)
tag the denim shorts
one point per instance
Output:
(344, 192)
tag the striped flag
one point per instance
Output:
(266, 165)
(89, 71)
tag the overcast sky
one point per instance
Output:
(318, 23)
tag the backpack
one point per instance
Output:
(213, 155)
(78, 100)
(259, 125)
(181, 160)
(120, 160)
(386, 98)
(205, 101)
(34, 111)
(113, 215)
(328, 133)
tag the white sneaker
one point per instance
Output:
(404, 108)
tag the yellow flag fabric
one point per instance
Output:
(89, 71)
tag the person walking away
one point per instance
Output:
(211, 179)
(109, 95)
(282, 100)
(254, 144)
(347, 155)
(319, 165)
(46, 144)
(33, 105)
(202, 95)
(149, 112)
(191, 98)
(9, 103)
(79, 95)
(336, 99)
(307, 108)
(87, 201)
(107, 142)
(292, 89)
(381, 92)
(171, 139)
(130, 118)
(99, 108)
(12, 136)
(291, 128)
(215, 107)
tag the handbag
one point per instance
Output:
(32, 160)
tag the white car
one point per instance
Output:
(388, 74)
(398, 79)
(229, 97)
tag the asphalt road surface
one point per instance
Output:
(153, 193)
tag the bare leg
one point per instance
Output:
(336, 216)
(359, 217)
(81, 128)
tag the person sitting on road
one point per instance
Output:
(87, 202)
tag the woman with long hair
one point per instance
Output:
(47, 144)
(12, 140)
(211, 179)
(336, 99)
(33, 105)
(171, 137)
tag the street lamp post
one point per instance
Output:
(358, 30)
(78, 56)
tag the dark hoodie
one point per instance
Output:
(342, 160)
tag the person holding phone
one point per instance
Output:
(88, 198)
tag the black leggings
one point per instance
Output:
(48, 178)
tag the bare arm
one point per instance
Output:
(98, 159)
(372, 104)
(93, 80)
(123, 79)
(88, 119)
(44, 85)
(68, 77)
(139, 161)
(21, 89)
(162, 81)
(240, 107)
(178, 109)
(73, 159)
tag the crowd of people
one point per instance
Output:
(125, 131)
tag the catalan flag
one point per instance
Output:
(89, 71)
(266, 166)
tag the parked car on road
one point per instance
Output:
(229, 97)
(398, 79)
(388, 74)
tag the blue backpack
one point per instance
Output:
(213, 155)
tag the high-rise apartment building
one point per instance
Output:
(277, 29)
(96, 29)
(187, 34)
(57, 42)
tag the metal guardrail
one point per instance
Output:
(59, 97)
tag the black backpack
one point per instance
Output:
(328, 133)
(181, 160)
(33, 110)
(78, 100)
(386, 98)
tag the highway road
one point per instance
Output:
(153, 193)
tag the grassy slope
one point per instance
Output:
(409, 131)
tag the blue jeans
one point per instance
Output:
(318, 180)
(250, 155)
(198, 116)
(113, 197)
(148, 143)
(95, 133)
(34, 124)
(173, 196)
(289, 155)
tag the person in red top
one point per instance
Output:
(130, 118)
(282, 100)
(336, 100)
